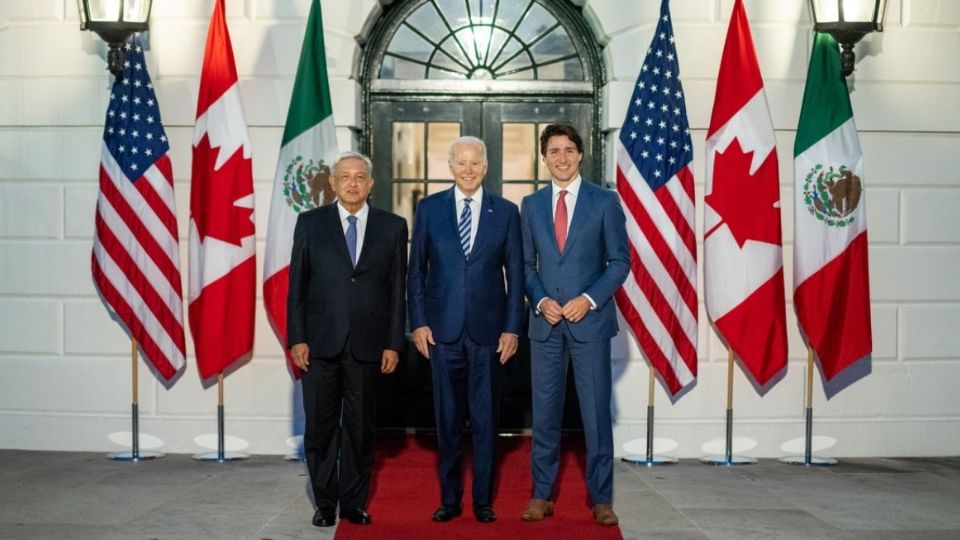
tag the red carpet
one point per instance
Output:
(405, 492)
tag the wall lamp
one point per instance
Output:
(114, 21)
(847, 21)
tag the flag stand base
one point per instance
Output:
(808, 461)
(221, 457)
(653, 461)
(727, 461)
(131, 456)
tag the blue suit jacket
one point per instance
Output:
(451, 293)
(595, 259)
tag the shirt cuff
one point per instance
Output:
(540, 303)
(593, 305)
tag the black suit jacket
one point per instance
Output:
(330, 303)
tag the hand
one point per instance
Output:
(300, 354)
(389, 360)
(421, 338)
(576, 309)
(551, 310)
(507, 346)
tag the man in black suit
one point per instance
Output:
(345, 322)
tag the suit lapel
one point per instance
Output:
(450, 220)
(487, 217)
(335, 229)
(544, 198)
(580, 213)
(370, 238)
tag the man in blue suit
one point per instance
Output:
(465, 295)
(575, 257)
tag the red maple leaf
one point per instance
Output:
(747, 203)
(214, 193)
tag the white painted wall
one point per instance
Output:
(64, 365)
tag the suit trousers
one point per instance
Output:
(466, 370)
(339, 402)
(592, 377)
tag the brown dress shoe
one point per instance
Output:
(537, 510)
(603, 514)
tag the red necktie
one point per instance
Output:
(560, 221)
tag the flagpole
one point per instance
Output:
(135, 454)
(221, 455)
(728, 458)
(807, 458)
(650, 460)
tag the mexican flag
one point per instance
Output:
(831, 279)
(303, 169)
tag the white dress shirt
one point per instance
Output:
(475, 199)
(362, 215)
(573, 190)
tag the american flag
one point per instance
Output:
(654, 152)
(136, 254)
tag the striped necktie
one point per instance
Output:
(466, 218)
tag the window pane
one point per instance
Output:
(426, 20)
(397, 68)
(481, 11)
(440, 136)
(509, 12)
(521, 61)
(441, 60)
(406, 195)
(568, 69)
(556, 44)
(543, 173)
(455, 11)
(407, 43)
(519, 152)
(516, 192)
(537, 21)
(408, 139)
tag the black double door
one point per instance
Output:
(409, 147)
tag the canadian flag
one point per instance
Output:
(743, 259)
(222, 261)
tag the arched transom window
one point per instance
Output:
(482, 40)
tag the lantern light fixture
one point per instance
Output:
(114, 21)
(847, 21)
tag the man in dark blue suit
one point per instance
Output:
(575, 257)
(465, 295)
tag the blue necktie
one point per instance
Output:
(465, 222)
(352, 238)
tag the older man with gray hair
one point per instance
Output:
(345, 324)
(465, 293)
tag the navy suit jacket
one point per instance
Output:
(450, 293)
(595, 259)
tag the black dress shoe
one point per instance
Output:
(446, 512)
(484, 513)
(324, 517)
(357, 516)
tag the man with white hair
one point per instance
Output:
(465, 292)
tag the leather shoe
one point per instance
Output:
(324, 517)
(357, 516)
(537, 510)
(484, 513)
(446, 512)
(603, 514)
